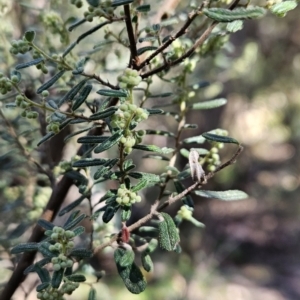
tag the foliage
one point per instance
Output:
(113, 123)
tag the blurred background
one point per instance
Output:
(249, 249)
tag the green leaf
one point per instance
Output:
(92, 30)
(127, 258)
(57, 278)
(42, 273)
(113, 93)
(149, 177)
(120, 2)
(69, 49)
(154, 111)
(142, 50)
(227, 15)
(187, 200)
(77, 132)
(40, 263)
(125, 213)
(24, 247)
(89, 162)
(153, 148)
(141, 185)
(82, 97)
(76, 278)
(72, 205)
(168, 236)
(92, 139)
(29, 36)
(209, 104)
(190, 126)
(81, 253)
(93, 3)
(44, 249)
(69, 96)
(152, 245)
(220, 138)
(163, 95)
(50, 82)
(42, 286)
(110, 142)
(131, 275)
(45, 224)
(184, 174)
(52, 104)
(235, 26)
(143, 8)
(79, 230)
(72, 217)
(76, 24)
(103, 114)
(92, 294)
(110, 212)
(160, 132)
(29, 64)
(147, 262)
(74, 222)
(280, 9)
(223, 195)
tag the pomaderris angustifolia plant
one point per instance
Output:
(107, 104)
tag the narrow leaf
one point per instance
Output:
(72, 205)
(81, 253)
(24, 247)
(153, 148)
(209, 104)
(223, 195)
(45, 224)
(113, 93)
(57, 278)
(280, 9)
(147, 262)
(74, 222)
(29, 64)
(50, 82)
(82, 97)
(167, 233)
(127, 258)
(42, 286)
(103, 114)
(89, 162)
(109, 142)
(76, 278)
(92, 294)
(92, 139)
(72, 93)
(227, 15)
(142, 50)
(220, 138)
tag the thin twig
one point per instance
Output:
(132, 41)
(171, 200)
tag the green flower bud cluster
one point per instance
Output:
(41, 66)
(185, 212)
(189, 65)
(64, 243)
(5, 84)
(21, 102)
(53, 127)
(125, 197)
(20, 46)
(105, 9)
(68, 287)
(213, 157)
(129, 79)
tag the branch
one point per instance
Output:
(132, 42)
(171, 200)
(198, 43)
(57, 197)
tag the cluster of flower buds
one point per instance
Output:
(64, 243)
(129, 79)
(105, 9)
(185, 212)
(68, 287)
(5, 84)
(214, 157)
(126, 197)
(20, 46)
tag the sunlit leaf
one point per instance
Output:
(223, 195)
